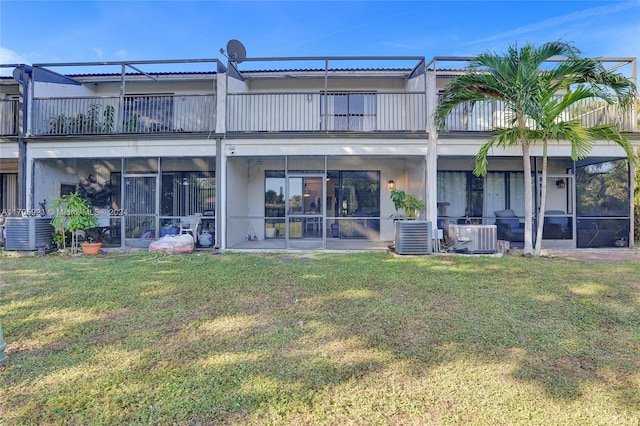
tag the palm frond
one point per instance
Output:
(611, 133)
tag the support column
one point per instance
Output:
(432, 152)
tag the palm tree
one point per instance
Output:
(527, 85)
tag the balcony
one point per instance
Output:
(486, 116)
(8, 117)
(345, 112)
(129, 114)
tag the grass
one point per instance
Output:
(319, 339)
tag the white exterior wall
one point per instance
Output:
(470, 147)
(53, 90)
(122, 148)
(9, 150)
(324, 146)
(161, 87)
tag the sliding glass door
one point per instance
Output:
(140, 205)
(305, 211)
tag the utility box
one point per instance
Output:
(27, 232)
(413, 237)
(474, 239)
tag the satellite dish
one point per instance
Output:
(236, 51)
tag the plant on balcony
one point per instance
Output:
(407, 202)
(131, 125)
(95, 120)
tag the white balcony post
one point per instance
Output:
(432, 151)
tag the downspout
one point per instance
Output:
(121, 99)
(326, 100)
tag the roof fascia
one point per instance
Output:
(327, 59)
(616, 61)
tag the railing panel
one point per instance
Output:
(401, 111)
(487, 116)
(8, 117)
(131, 114)
(286, 112)
(268, 112)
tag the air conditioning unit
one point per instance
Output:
(27, 232)
(413, 237)
(474, 239)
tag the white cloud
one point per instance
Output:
(8, 56)
(558, 21)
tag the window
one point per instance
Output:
(274, 184)
(349, 111)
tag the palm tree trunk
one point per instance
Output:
(543, 201)
(528, 199)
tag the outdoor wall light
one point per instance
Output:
(560, 184)
(391, 185)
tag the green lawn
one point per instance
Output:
(319, 339)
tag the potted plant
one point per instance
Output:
(73, 213)
(407, 202)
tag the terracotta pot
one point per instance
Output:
(91, 248)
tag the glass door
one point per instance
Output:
(140, 204)
(305, 212)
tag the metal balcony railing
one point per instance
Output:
(305, 112)
(130, 114)
(8, 117)
(486, 116)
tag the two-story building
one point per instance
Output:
(288, 153)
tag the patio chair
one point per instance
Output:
(556, 227)
(508, 226)
(189, 225)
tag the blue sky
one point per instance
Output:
(81, 31)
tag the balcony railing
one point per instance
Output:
(486, 116)
(300, 112)
(272, 112)
(130, 114)
(8, 117)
